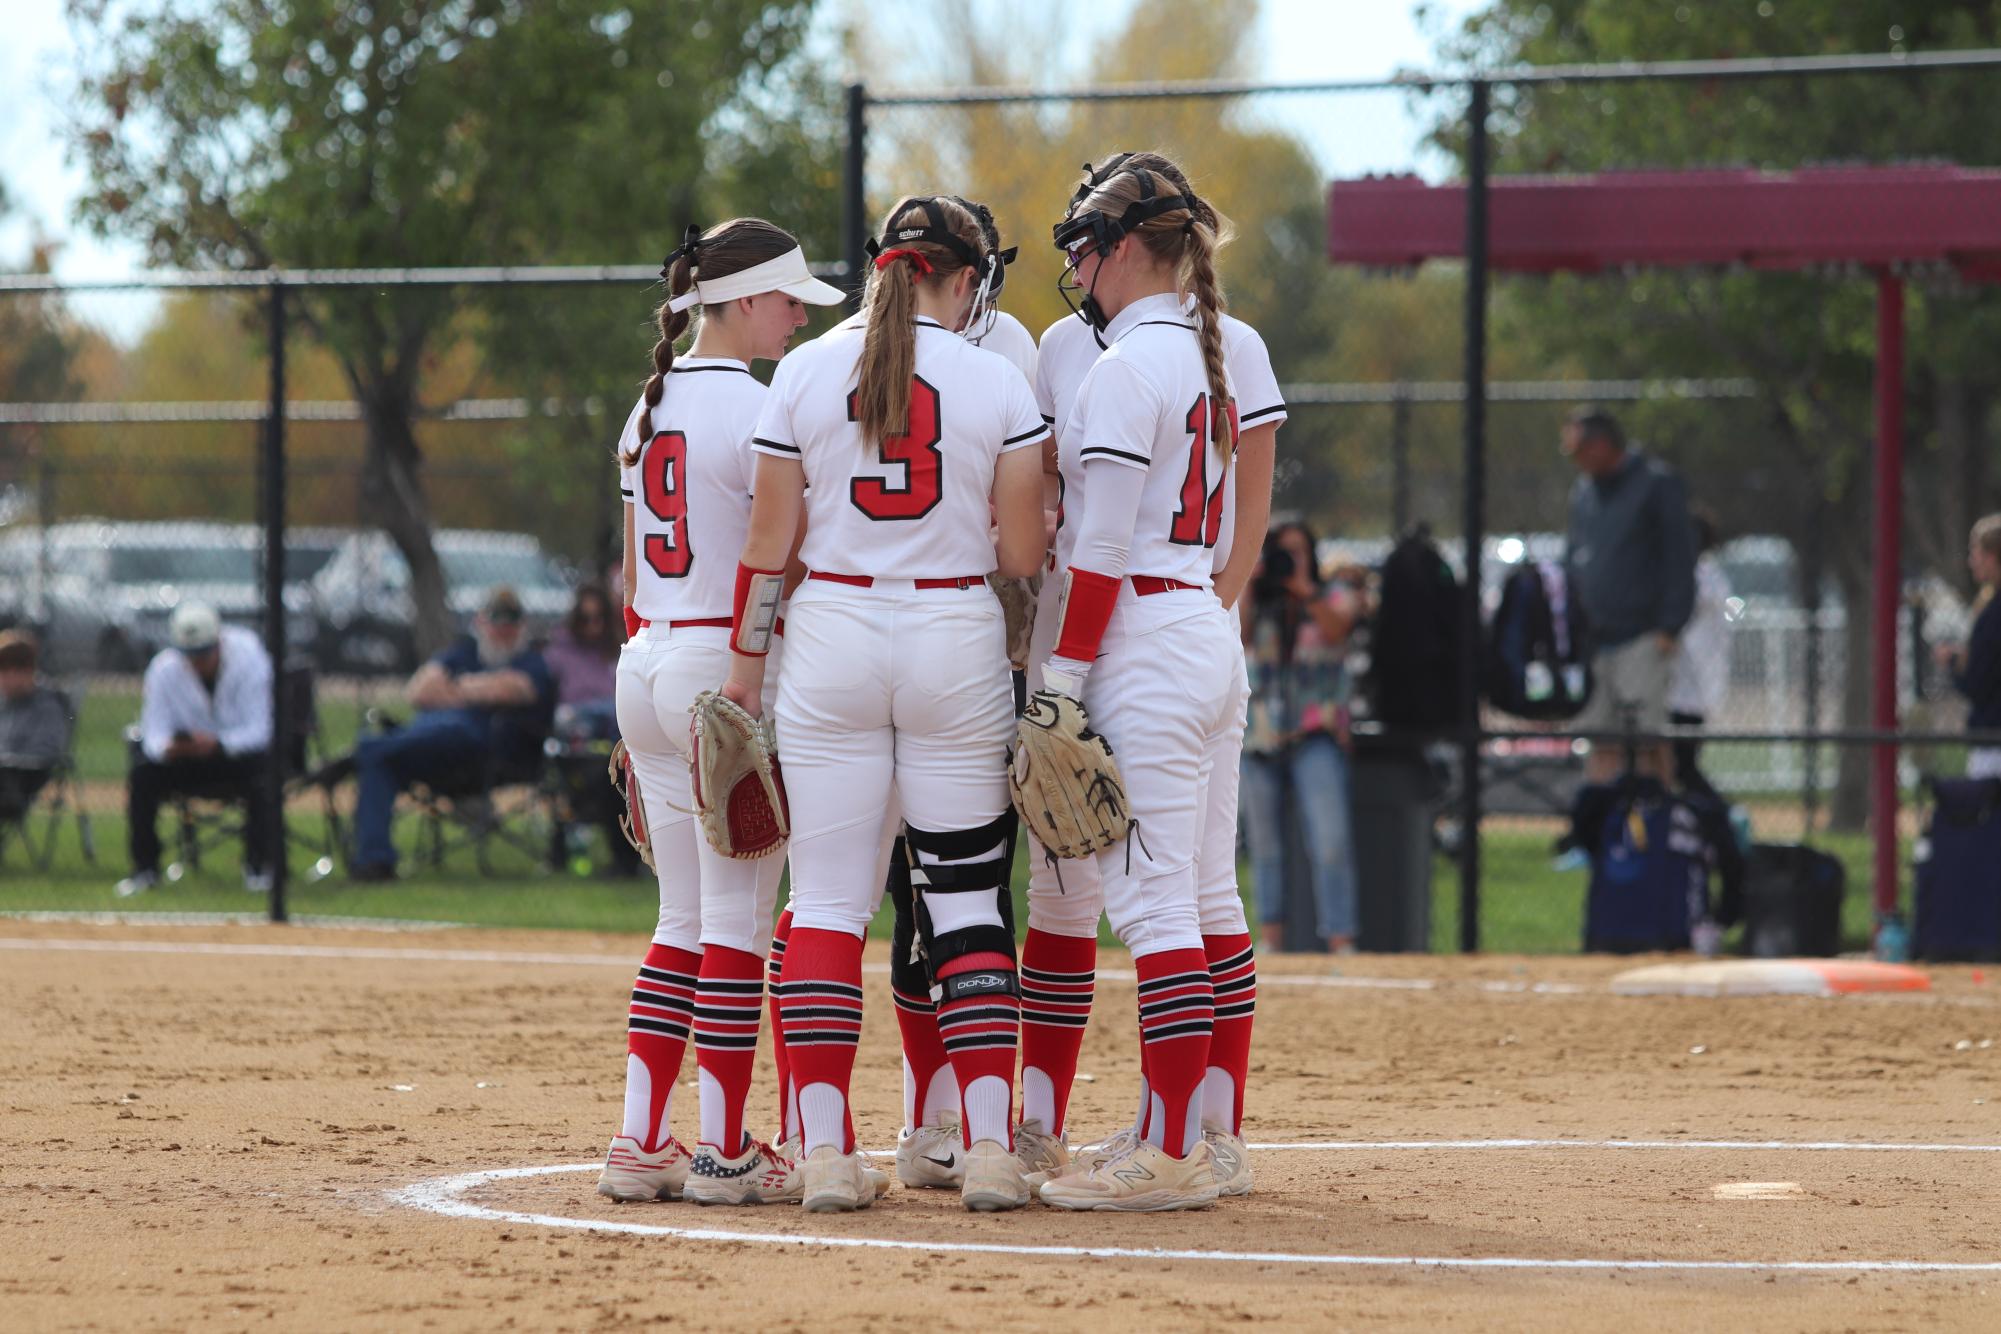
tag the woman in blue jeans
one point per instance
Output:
(1295, 630)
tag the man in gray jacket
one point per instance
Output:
(34, 729)
(1630, 551)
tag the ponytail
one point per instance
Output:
(1204, 238)
(673, 323)
(889, 353)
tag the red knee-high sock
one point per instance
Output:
(923, 1050)
(1177, 1010)
(820, 1009)
(981, 1027)
(656, 1036)
(1058, 974)
(729, 1000)
(1233, 971)
(774, 963)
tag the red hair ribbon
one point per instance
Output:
(917, 261)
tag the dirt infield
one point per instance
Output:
(224, 1127)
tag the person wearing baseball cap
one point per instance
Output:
(204, 728)
(489, 695)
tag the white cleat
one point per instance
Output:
(1043, 1157)
(1230, 1160)
(835, 1182)
(993, 1180)
(1146, 1180)
(136, 883)
(758, 1175)
(1112, 1146)
(932, 1157)
(632, 1174)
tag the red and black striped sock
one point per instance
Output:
(924, 1057)
(980, 1025)
(1233, 971)
(656, 1036)
(820, 1010)
(788, 1108)
(1177, 1011)
(729, 1001)
(1058, 976)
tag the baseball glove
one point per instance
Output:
(1017, 599)
(739, 791)
(633, 822)
(1064, 781)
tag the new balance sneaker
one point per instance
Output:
(993, 1180)
(932, 1157)
(834, 1182)
(758, 1175)
(1042, 1156)
(1146, 1180)
(631, 1173)
(1112, 1146)
(1230, 1160)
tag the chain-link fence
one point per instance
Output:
(1756, 386)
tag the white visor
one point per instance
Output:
(787, 273)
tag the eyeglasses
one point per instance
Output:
(1080, 250)
(504, 616)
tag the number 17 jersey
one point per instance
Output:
(690, 490)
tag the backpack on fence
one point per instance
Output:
(1959, 872)
(1537, 663)
(1415, 642)
(1652, 852)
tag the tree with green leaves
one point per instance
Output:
(320, 133)
(1798, 462)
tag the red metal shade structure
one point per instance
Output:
(1891, 221)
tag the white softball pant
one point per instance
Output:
(1167, 696)
(705, 897)
(1073, 906)
(889, 697)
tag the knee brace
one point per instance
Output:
(976, 861)
(906, 969)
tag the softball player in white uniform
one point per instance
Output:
(685, 474)
(897, 441)
(1143, 641)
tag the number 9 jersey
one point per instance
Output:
(690, 490)
(914, 506)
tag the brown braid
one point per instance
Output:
(889, 346)
(1189, 240)
(729, 247)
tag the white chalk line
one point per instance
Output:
(442, 1195)
(560, 959)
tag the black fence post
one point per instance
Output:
(274, 599)
(1400, 462)
(1475, 527)
(854, 201)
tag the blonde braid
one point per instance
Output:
(673, 323)
(1200, 260)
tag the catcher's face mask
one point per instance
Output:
(992, 274)
(1087, 232)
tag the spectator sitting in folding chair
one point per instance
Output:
(583, 660)
(204, 730)
(34, 726)
(486, 699)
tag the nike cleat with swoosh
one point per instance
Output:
(932, 1157)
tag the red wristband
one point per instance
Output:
(752, 642)
(632, 621)
(1088, 599)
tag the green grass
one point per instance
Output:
(1527, 906)
(111, 707)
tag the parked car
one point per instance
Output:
(99, 592)
(365, 618)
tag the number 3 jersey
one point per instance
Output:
(690, 490)
(914, 506)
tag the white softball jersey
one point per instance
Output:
(690, 490)
(1009, 337)
(914, 506)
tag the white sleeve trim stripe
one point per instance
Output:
(1246, 417)
(1105, 452)
(759, 442)
(1035, 434)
